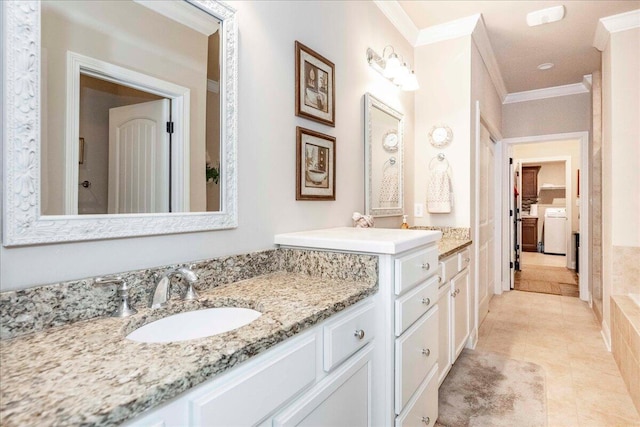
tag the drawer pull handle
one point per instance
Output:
(467, 259)
(439, 279)
(426, 352)
(426, 301)
(359, 334)
(426, 266)
(426, 420)
(454, 293)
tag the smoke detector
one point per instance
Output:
(545, 16)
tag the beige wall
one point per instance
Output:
(444, 97)
(561, 114)
(341, 31)
(97, 30)
(620, 160)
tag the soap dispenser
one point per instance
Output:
(405, 225)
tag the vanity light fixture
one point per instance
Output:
(391, 68)
(545, 16)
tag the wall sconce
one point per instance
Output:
(394, 70)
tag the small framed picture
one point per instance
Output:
(315, 88)
(315, 165)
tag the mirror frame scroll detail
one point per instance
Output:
(23, 223)
(370, 102)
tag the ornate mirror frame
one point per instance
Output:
(371, 102)
(23, 223)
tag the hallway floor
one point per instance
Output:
(584, 387)
(536, 258)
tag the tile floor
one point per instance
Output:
(536, 258)
(584, 387)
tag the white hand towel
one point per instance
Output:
(389, 196)
(439, 191)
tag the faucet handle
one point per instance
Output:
(124, 308)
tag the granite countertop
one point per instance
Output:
(449, 246)
(88, 373)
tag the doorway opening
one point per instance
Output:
(544, 219)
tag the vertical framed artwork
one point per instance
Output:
(315, 165)
(315, 88)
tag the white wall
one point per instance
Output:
(444, 97)
(341, 31)
(561, 114)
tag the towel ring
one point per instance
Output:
(440, 158)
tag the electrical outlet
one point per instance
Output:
(418, 210)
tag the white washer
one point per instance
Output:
(555, 237)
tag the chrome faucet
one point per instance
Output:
(161, 292)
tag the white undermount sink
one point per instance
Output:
(194, 324)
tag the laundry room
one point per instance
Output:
(548, 200)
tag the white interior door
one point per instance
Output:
(486, 243)
(139, 145)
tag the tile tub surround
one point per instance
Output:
(29, 310)
(625, 342)
(87, 373)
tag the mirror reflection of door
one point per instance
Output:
(139, 147)
(177, 45)
(97, 98)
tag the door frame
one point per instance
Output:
(180, 115)
(495, 134)
(585, 191)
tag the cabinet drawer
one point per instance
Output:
(416, 353)
(247, 399)
(414, 268)
(464, 258)
(448, 268)
(422, 410)
(414, 304)
(347, 334)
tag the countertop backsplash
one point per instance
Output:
(456, 233)
(29, 310)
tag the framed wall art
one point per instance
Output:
(315, 165)
(315, 88)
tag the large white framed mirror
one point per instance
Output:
(384, 158)
(120, 119)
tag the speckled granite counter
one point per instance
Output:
(449, 246)
(87, 373)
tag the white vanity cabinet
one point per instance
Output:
(454, 304)
(405, 356)
(317, 378)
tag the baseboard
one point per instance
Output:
(472, 341)
(606, 336)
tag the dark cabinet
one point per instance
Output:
(530, 182)
(530, 234)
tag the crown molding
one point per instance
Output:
(613, 24)
(399, 18)
(448, 30)
(548, 92)
(481, 39)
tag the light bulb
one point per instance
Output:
(392, 67)
(411, 83)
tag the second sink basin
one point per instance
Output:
(194, 324)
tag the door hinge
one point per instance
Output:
(510, 212)
(510, 265)
(517, 247)
(510, 160)
(169, 127)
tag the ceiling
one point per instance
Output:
(518, 48)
